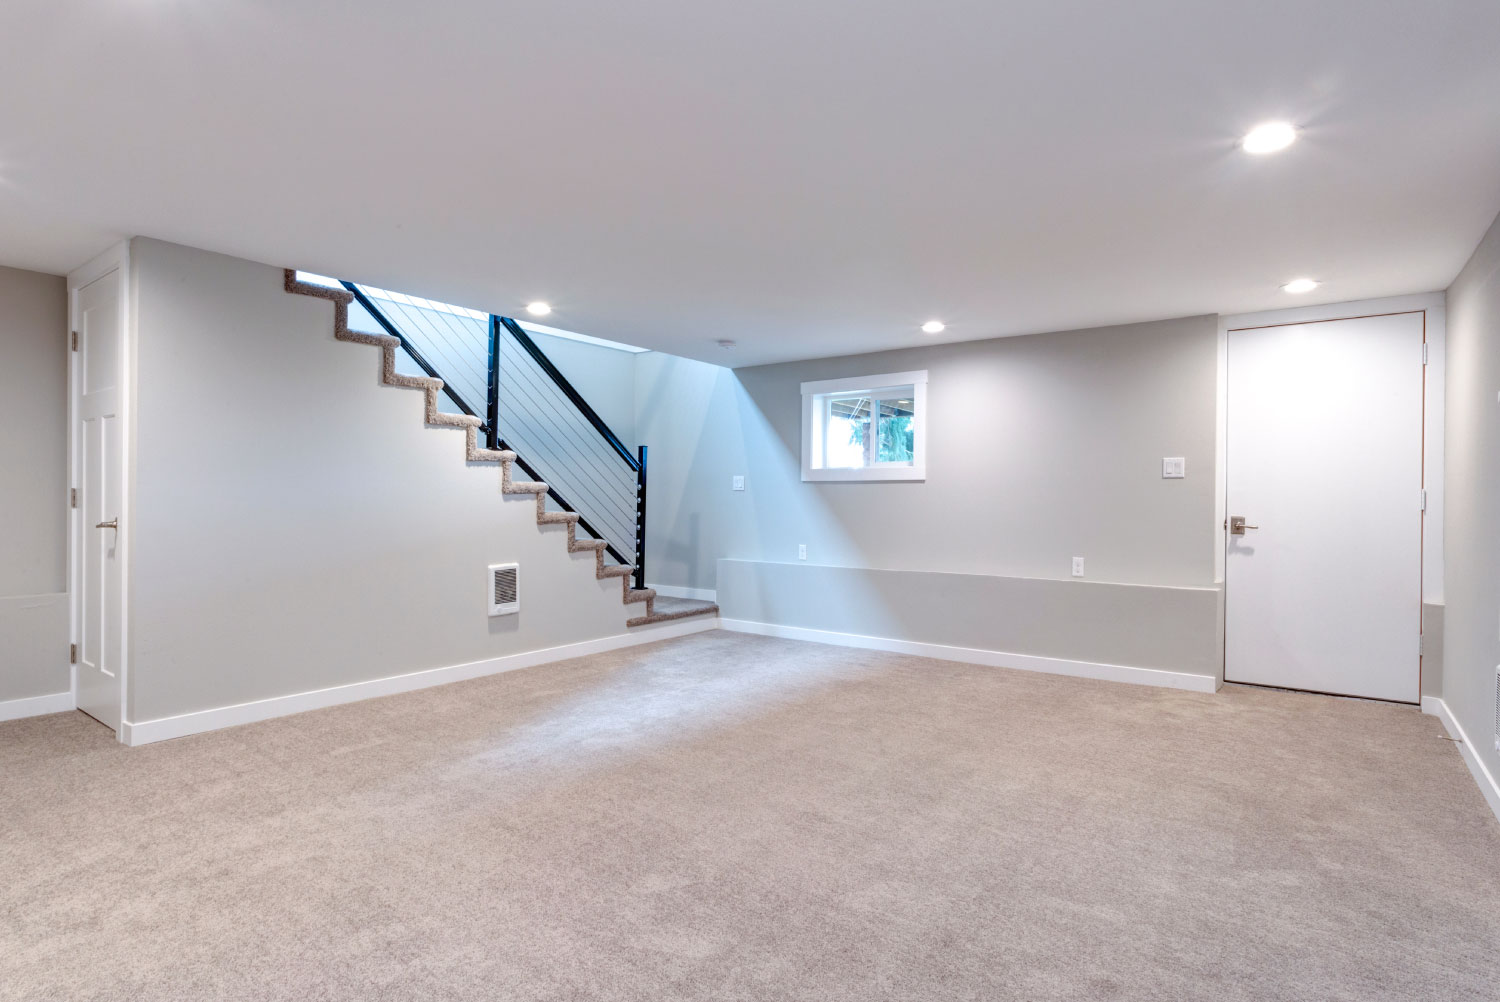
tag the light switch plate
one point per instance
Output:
(737, 484)
(1173, 468)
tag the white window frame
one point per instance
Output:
(884, 385)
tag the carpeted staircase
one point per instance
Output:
(670, 608)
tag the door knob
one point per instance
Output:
(1237, 525)
(113, 523)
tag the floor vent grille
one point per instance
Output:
(505, 589)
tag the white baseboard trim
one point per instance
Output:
(146, 731)
(978, 656)
(677, 591)
(35, 706)
(1481, 773)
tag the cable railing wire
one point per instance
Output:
(558, 439)
(598, 463)
(574, 432)
(606, 501)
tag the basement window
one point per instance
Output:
(865, 428)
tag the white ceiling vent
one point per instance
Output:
(505, 589)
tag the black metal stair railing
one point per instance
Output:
(543, 416)
(492, 369)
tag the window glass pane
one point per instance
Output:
(850, 439)
(896, 438)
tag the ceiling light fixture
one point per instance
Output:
(1269, 137)
(1297, 286)
(538, 309)
(726, 344)
(933, 327)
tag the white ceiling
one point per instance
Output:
(807, 177)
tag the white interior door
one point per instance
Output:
(1323, 590)
(98, 474)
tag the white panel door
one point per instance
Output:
(1323, 590)
(97, 451)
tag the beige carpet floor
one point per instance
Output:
(741, 818)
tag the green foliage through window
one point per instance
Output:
(894, 435)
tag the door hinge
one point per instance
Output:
(1424, 352)
(1422, 499)
(73, 341)
(1421, 643)
(72, 654)
(72, 497)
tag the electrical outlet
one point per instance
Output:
(737, 484)
(1078, 567)
(801, 551)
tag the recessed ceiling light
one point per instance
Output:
(538, 309)
(933, 327)
(1297, 286)
(1268, 138)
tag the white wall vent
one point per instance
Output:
(505, 589)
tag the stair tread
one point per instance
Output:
(450, 420)
(414, 382)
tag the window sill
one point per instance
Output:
(866, 475)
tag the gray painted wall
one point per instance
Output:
(33, 484)
(1432, 649)
(1143, 626)
(33, 432)
(34, 646)
(296, 525)
(1068, 431)
(1471, 620)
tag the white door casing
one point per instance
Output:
(1324, 460)
(98, 467)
